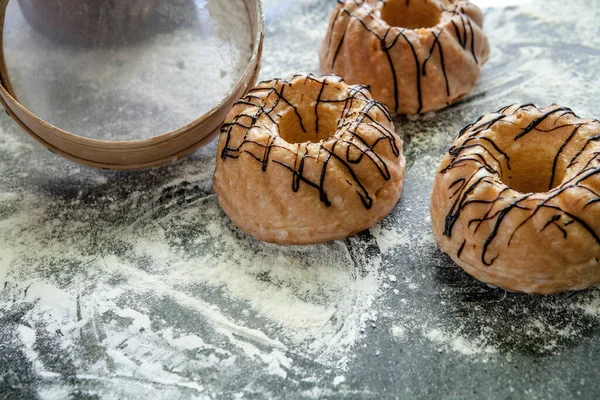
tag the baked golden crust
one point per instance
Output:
(516, 201)
(308, 159)
(409, 70)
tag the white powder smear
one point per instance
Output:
(236, 301)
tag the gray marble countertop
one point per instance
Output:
(130, 285)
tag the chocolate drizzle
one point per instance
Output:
(442, 64)
(262, 109)
(463, 39)
(386, 48)
(475, 151)
(364, 13)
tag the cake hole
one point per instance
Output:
(411, 14)
(533, 181)
(532, 165)
(291, 130)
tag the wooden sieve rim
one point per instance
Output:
(134, 154)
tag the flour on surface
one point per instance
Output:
(137, 284)
(165, 294)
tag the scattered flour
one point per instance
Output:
(303, 301)
(398, 332)
(140, 281)
(338, 380)
(459, 343)
(388, 239)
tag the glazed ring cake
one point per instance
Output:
(308, 159)
(415, 55)
(516, 201)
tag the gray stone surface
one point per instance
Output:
(132, 285)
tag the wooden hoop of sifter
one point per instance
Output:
(134, 154)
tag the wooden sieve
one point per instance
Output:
(134, 154)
